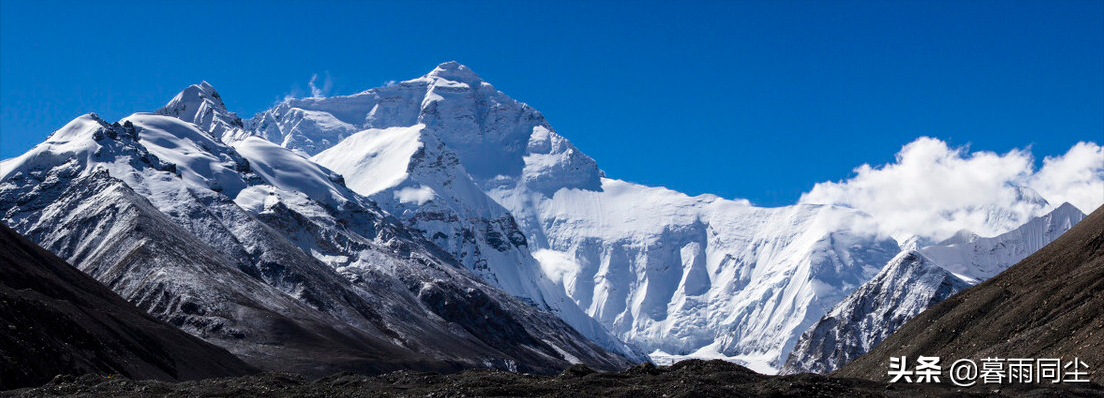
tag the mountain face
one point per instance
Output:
(488, 179)
(260, 251)
(909, 284)
(57, 320)
(914, 281)
(423, 145)
(1023, 312)
(701, 276)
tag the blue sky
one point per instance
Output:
(743, 99)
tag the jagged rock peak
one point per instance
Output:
(202, 105)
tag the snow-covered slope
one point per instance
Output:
(700, 276)
(487, 178)
(261, 251)
(978, 258)
(914, 281)
(316, 130)
(909, 284)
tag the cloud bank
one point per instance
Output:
(933, 190)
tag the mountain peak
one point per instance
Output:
(1026, 194)
(1067, 208)
(1065, 215)
(193, 96)
(961, 237)
(456, 72)
(201, 104)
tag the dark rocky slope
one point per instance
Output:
(1050, 305)
(54, 320)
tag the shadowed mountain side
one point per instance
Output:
(57, 320)
(1050, 305)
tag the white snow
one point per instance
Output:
(200, 160)
(977, 258)
(699, 277)
(74, 140)
(413, 143)
(287, 170)
(760, 363)
(379, 157)
(556, 265)
(256, 198)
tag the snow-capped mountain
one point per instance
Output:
(977, 258)
(913, 281)
(263, 252)
(1046, 306)
(410, 159)
(487, 178)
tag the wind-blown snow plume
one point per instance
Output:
(933, 190)
(323, 90)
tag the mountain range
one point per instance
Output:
(288, 271)
(438, 224)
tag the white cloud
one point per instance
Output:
(933, 190)
(1076, 177)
